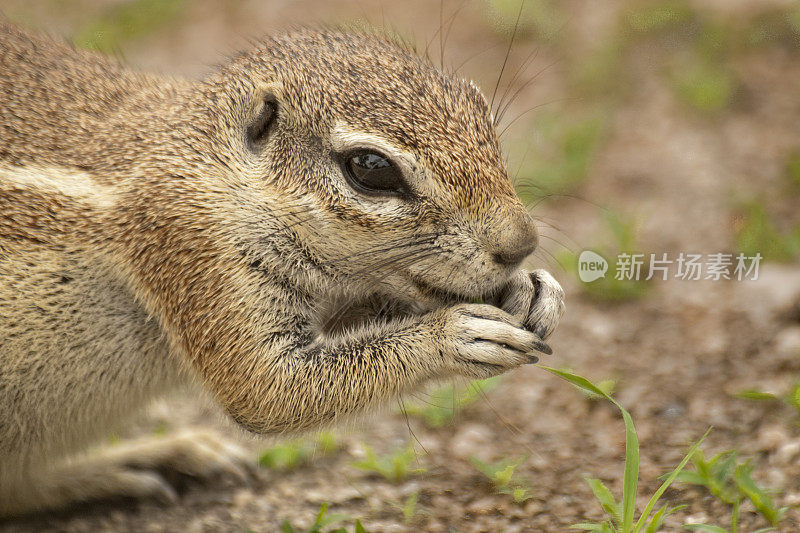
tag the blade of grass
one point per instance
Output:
(631, 475)
(606, 499)
(658, 520)
(667, 482)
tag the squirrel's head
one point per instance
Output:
(388, 172)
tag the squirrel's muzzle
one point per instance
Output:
(517, 240)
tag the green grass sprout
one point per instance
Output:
(503, 477)
(756, 232)
(322, 521)
(790, 398)
(295, 452)
(621, 515)
(394, 466)
(410, 507)
(732, 483)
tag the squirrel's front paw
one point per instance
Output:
(536, 299)
(481, 340)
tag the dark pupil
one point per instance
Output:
(374, 171)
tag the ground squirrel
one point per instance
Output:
(301, 233)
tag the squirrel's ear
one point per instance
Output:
(262, 118)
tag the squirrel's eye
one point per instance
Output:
(373, 173)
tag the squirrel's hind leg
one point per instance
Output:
(143, 469)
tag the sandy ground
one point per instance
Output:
(678, 354)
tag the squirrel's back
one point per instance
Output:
(59, 104)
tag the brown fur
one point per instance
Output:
(142, 239)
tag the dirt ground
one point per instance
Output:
(678, 353)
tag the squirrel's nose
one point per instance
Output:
(520, 240)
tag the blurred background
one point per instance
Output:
(630, 126)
